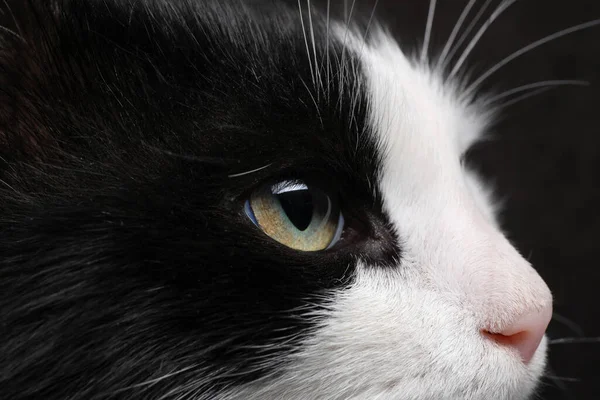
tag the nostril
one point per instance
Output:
(525, 343)
(506, 340)
(525, 334)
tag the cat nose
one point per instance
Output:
(525, 334)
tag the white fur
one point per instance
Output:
(413, 333)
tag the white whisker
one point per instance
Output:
(327, 50)
(568, 323)
(366, 33)
(10, 11)
(526, 49)
(346, 10)
(454, 33)
(249, 172)
(558, 383)
(428, 28)
(370, 21)
(312, 73)
(579, 340)
(344, 49)
(466, 33)
(563, 378)
(318, 79)
(535, 85)
(15, 34)
(518, 99)
(499, 10)
(314, 101)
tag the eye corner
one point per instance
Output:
(338, 233)
(249, 213)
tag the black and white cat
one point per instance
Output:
(247, 200)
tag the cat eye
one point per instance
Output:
(299, 216)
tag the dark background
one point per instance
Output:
(544, 159)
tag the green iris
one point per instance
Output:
(299, 216)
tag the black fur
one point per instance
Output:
(127, 266)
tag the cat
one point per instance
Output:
(206, 199)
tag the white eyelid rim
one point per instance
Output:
(288, 186)
(338, 232)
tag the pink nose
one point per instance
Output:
(525, 334)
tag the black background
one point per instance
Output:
(544, 159)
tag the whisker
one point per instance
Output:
(518, 99)
(428, 28)
(529, 256)
(558, 383)
(187, 157)
(344, 49)
(356, 86)
(327, 50)
(526, 49)
(366, 33)
(370, 21)
(312, 73)
(562, 378)
(346, 9)
(10, 187)
(467, 31)
(579, 340)
(10, 11)
(312, 36)
(568, 323)
(535, 85)
(499, 10)
(249, 172)
(454, 33)
(314, 101)
(15, 34)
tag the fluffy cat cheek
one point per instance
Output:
(389, 338)
(423, 343)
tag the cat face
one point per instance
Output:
(214, 200)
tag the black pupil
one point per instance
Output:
(298, 205)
